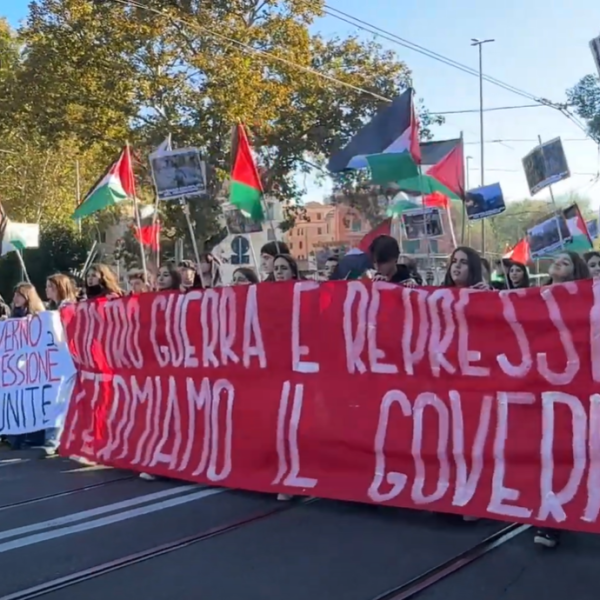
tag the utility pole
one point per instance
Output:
(479, 44)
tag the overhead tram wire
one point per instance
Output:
(265, 53)
(251, 49)
(378, 31)
(393, 38)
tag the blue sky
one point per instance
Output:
(541, 47)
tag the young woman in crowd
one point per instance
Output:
(60, 291)
(244, 276)
(4, 309)
(101, 282)
(465, 270)
(267, 256)
(137, 283)
(518, 276)
(567, 266)
(187, 274)
(25, 303)
(169, 278)
(592, 260)
(285, 268)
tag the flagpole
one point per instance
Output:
(168, 148)
(78, 191)
(24, 274)
(555, 206)
(136, 209)
(186, 212)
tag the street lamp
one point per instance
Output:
(479, 44)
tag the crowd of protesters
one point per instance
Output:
(465, 269)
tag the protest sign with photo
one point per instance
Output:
(356, 391)
(422, 223)
(36, 374)
(239, 224)
(178, 173)
(548, 236)
(545, 165)
(485, 201)
(592, 227)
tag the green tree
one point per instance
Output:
(585, 97)
(108, 72)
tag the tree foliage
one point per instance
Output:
(585, 96)
(91, 75)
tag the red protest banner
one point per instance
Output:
(478, 403)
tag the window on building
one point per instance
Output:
(300, 245)
(356, 225)
(103, 237)
(319, 216)
(290, 246)
(319, 231)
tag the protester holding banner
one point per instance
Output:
(60, 291)
(169, 278)
(465, 269)
(592, 260)
(385, 252)
(518, 276)
(101, 282)
(25, 303)
(285, 268)
(244, 276)
(267, 255)
(568, 266)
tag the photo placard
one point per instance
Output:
(178, 173)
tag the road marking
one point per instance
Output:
(103, 522)
(95, 512)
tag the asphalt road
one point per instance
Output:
(65, 531)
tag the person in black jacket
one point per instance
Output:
(385, 252)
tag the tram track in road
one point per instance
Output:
(64, 493)
(426, 580)
(85, 575)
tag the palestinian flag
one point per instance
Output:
(394, 130)
(245, 191)
(580, 237)
(116, 185)
(18, 236)
(148, 234)
(445, 162)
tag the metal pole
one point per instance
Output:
(78, 191)
(481, 144)
(479, 44)
(552, 194)
(465, 219)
